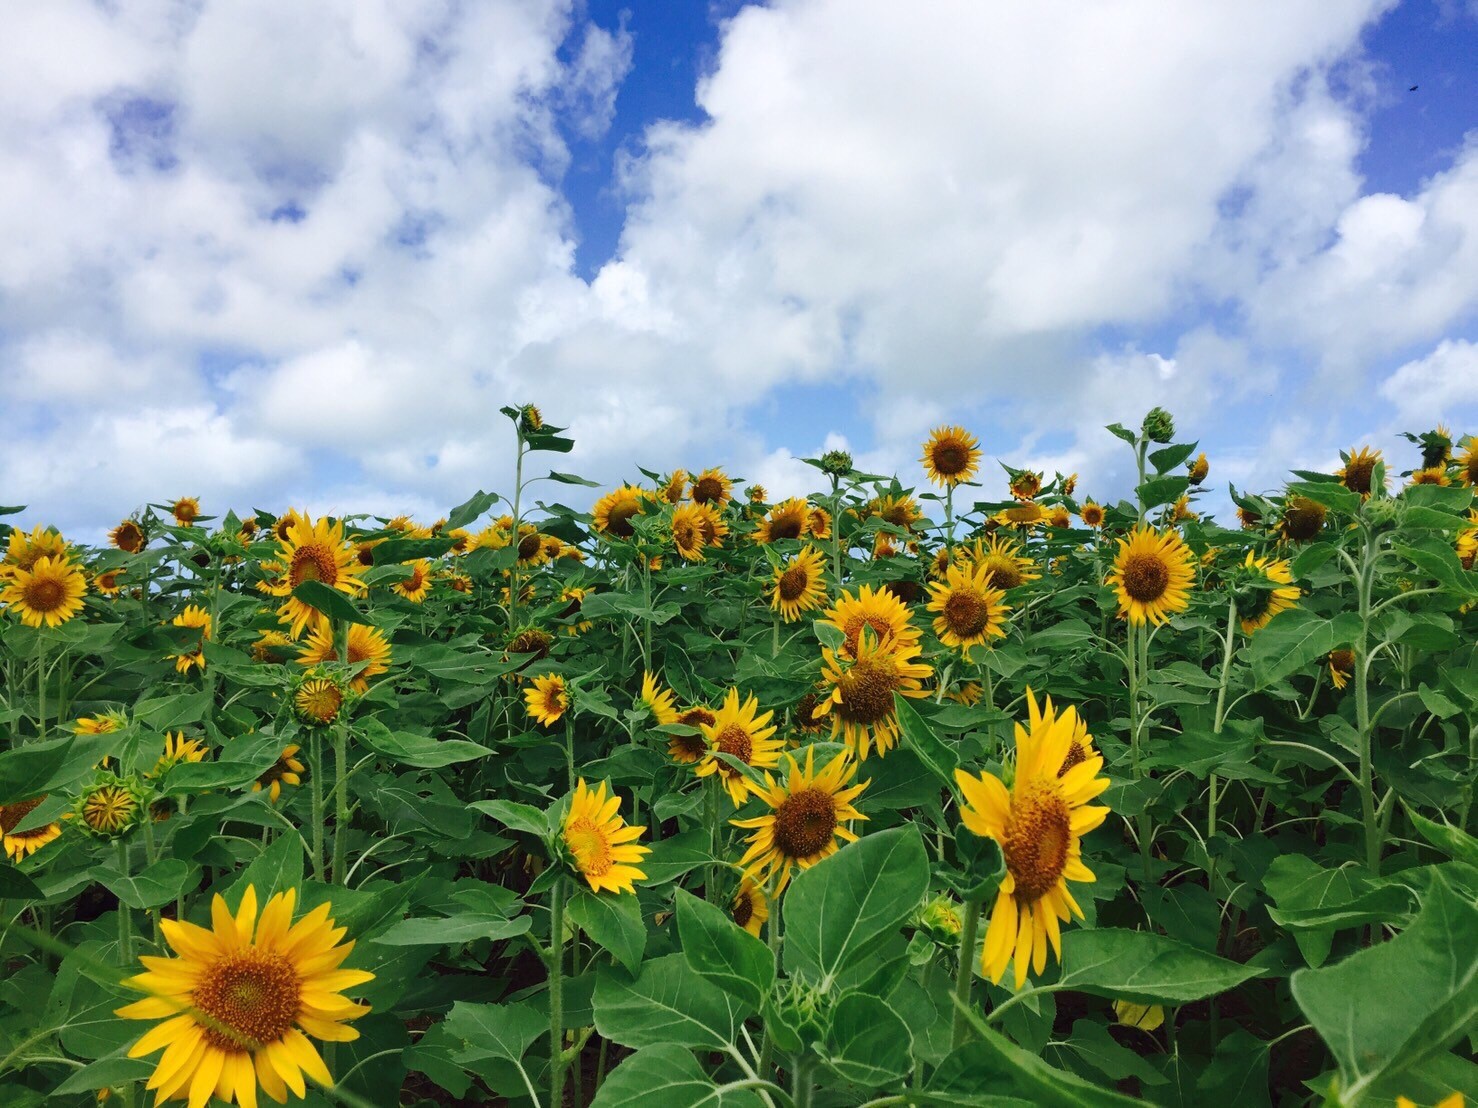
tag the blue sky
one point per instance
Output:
(270, 253)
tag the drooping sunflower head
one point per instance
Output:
(1341, 666)
(662, 703)
(18, 845)
(1091, 515)
(1248, 518)
(969, 611)
(786, 520)
(809, 812)
(1303, 518)
(818, 523)
(1181, 510)
(1432, 475)
(111, 806)
(533, 641)
(690, 749)
(287, 770)
(546, 699)
(1003, 559)
(799, 584)
(108, 582)
(750, 908)
(1058, 516)
(128, 537)
(1358, 473)
(879, 611)
(186, 510)
(740, 731)
(674, 487)
(613, 512)
(805, 718)
(239, 998)
(573, 595)
(602, 847)
(1198, 470)
(194, 616)
(712, 487)
(1152, 575)
(530, 419)
(1436, 446)
(1267, 590)
(863, 714)
(49, 592)
(688, 533)
(951, 455)
(272, 646)
(318, 700)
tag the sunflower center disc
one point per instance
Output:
(12, 814)
(743, 909)
(804, 823)
(1037, 837)
(793, 583)
(735, 741)
(706, 489)
(697, 717)
(589, 845)
(966, 614)
(882, 630)
(320, 700)
(1145, 577)
(528, 546)
(867, 693)
(252, 995)
(45, 596)
(1004, 573)
(950, 458)
(313, 563)
(786, 528)
(620, 520)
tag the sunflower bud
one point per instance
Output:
(112, 806)
(1384, 514)
(530, 419)
(1199, 469)
(1159, 425)
(318, 700)
(940, 919)
(837, 463)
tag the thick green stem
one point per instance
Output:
(125, 920)
(341, 802)
(1221, 701)
(570, 749)
(1365, 581)
(556, 993)
(966, 974)
(714, 798)
(315, 780)
(513, 569)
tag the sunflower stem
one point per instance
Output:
(949, 516)
(513, 569)
(965, 977)
(1364, 583)
(570, 749)
(556, 993)
(1221, 700)
(125, 921)
(41, 691)
(341, 802)
(315, 748)
(710, 885)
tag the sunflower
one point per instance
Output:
(1002, 558)
(462, 540)
(749, 908)
(968, 693)
(971, 612)
(951, 455)
(1069, 484)
(104, 723)
(1358, 472)
(675, 487)
(714, 527)
(1303, 518)
(287, 770)
(1467, 542)
(128, 537)
(18, 844)
(50, 592)
(1025, 515)
(689, 750)
(408, 527)
(415, 587)
(1058, 516)
(739, 731)
(1198, 470)
(1039, 824)
(612, 513)
(177, 749)
(862, 687)
(603, 847)
(1092, 515)
(804, 717)
(23, 551)
(248, 529)
(239, 997)
(1025, 485)
(547, 699)
(756, 494)
(687, 531)
(1454, 1100)
(1151, 575)
(1341, 666)
(879, 610)
(809, 811)
(106, 582)
(900, 511)
(318, 701)
(786, 520)
(531, 548)
(818, 523)
(1264, 602)
(1181, 510)
(659, 701)
(314, 552)
(458, 582)
(271, 646)
(712, 487)
(111, 806)
(1249, 519)
(1467, 464)
(799, 584)
(366, 644)
(198, 618)
(574, 596)
(1433, 475)
(534, 641)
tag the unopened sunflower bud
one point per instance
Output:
(1159, 425)
(838, 463)
(112, 806)
(530, 419)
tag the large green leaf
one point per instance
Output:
(836, 911)
(331, 602)
(1393, 1006)
(667, 1077)
(421, 751)
(993, 1070)
(612, 921)
(1310, 898)
(724, 952)
(919, 737)
(1295, 641)
(495, 1030)
(158, 884)
(1144, 968)
(667, 1003)
(868, 1043)
(39, 767)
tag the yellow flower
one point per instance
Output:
(318, 701)
(674, 487)
(105, 723)
(713, 487)
(18, 844)
(659, 701)
(879, 611)
(1432, 475)
(1026, 484)
(186, 511)
(818, 523)
(128, 536)
(366, 644)
(951, 455)
(612, 513)
(575, 596)
(689, 750)
(314, 552)
(1358, 472)
(547, 699)
(603, 847)
(271, 646)
(1467, 464)
(112, 806)
(862, 687)
(1303, 518)
(750, 908)
(786, 520)
(415, 587)
(287, 770)
(971, 613)
(50, 592)
(177, 749)
(809, 812)
(1002, 558)
(1091, 515)
(741, 732)
(1453, 1100)
(1152, 575)
(1199, 469)
(239, 997)
(23, 550)
(1341, 666)
(1038, 823)
(900, 511)
(1265, 603)
(687, 526)
(106, 582)
(197, 617)
(1025, 515)
(799, 584)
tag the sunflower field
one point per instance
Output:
(980, 793)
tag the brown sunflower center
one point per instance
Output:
(1146, 576)
(906, 591)
(1093, 515)
(1004, 572)
(45, 594)
(882, 630)
(966, 613)
(12, 814)
(618, 522)
(793, 583)
(252, 996)
(736, 742)
(743, 910)
(950, 458)
(804, 823)
(689, 746)
(1077, 754)
(686, 535)
(697, 717)
(529, 547)
(1358, 473)
(707, 488)
(805, 711)
(1303, 519)
(1342, 659)
(589, 845)
(1037, 837)
(787, 527)
(129, 538)
(867, 692)
(313, 562)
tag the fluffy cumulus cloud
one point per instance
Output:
(259, 250)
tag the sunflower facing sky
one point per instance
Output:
(603, 847)
(23, 549)
(1039, 823)
(1002, 558)
(740, 731)
(810, 811)
(1358, 472)
(799, 585)
(240, 1000)
(860, 703)
(415, 587)
(1152, 575)
(612, 513)
(688, 535)
(313, 552)
(49, 592)
(951, 456)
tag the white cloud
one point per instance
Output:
(1434, 387)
